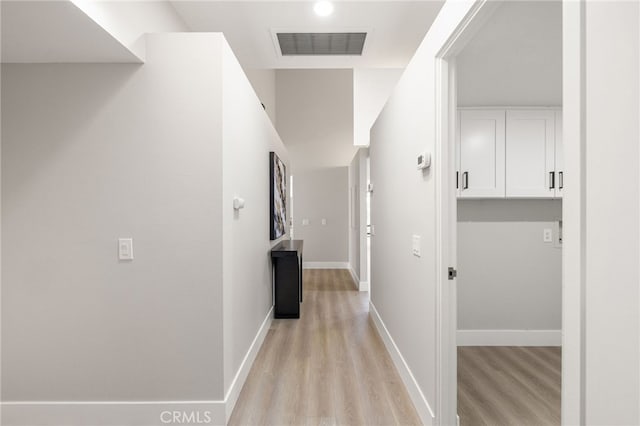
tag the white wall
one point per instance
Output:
(129, 21)
(264, 84)
(516, 267)
(371, 89)
(601, 380)
(611, 210)
(323, 194)
(509, 280)
(315, 117)
(515, 58)
(248, 136)
(96, 152)
(403, 287)
(315, 121)
(155, 152)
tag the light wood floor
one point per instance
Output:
(329, 367)
(509, 386)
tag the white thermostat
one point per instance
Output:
(424, 160)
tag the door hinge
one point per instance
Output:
(453, 273)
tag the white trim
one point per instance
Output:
(354, 276)
(509, 337)
(133, 413)
(326, 265)
(360, 285)
(445, 211)
(574, 213)
(233, 392)
(106, 413)
(419, 400)
(446, 207)
(519, 107)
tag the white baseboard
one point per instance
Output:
(326, 265)
(138, 413)
(233, 392)
(419, 400)
(509, 337)
(116, 413)
(354, 276)
(360, 285)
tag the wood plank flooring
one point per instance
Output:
(509, 385)
(329, 367)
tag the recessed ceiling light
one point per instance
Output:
(323, 8)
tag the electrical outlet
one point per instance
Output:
(125, 248)
(547, 235)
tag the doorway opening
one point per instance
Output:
(504, 107)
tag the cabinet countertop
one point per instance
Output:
(287, 248)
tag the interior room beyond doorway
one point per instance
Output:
(509, 159)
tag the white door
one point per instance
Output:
(530, 146)
(482, 153)
(559, 168)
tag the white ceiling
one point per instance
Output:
(515, 58)
(59, 31)
(55, 31)
(395, 29)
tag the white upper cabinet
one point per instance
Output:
(512, 153)
(530, 154)
(559, 169)
(481, 153)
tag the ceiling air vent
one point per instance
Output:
(321, 43)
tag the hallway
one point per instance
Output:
(329, 367)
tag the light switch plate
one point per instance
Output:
(125, 248)
(305, 222)
(416, 246)
(324, 221)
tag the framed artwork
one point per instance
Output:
(278, 196)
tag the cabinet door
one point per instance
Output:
(559, 156)
(482, 142)
(530, 146)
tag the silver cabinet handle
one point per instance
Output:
(552, 180)
(465, 180)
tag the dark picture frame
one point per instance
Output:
(277, 197)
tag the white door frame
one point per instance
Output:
(446, 210)
(573, 213)
(573, 218)
(446, 213)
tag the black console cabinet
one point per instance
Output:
(287, 278)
